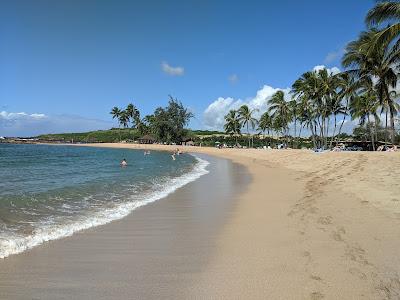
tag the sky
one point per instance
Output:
(65, 64)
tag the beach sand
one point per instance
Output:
(307, 226)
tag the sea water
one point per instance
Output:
(48, 192)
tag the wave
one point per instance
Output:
(14, 245)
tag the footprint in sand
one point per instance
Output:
(327, 220)
(337, 235)
(358, 273)
(315, 277)
(316, 296)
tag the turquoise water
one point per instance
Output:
(48, 192)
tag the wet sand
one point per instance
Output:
(307, 226)
(154, 253)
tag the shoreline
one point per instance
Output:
(310, 226)
(307, 226)
(147, 254)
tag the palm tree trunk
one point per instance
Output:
(313, 135)
(386, 126)
(295, 131)
(340, 128)
(372, 134)
(392, 134)
(344, 118)
(333, 135)
(327, 133)
(248, 133)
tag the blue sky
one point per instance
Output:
(65, 64)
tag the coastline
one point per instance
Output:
(150, 253)
(307, 226)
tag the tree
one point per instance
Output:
(232, 124)
(124, 119)
(246, 118)
(168, 124)
(116, 113)
(384, 12)
(368, 62)
(265, 123)
(281, 112)
(305, 89)
(133, 114)
(347, 91)
(362, 108)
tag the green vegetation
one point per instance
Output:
(321, 101)
(99, 136)
(165, 124)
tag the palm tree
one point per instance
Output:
(246, 118)
(385, 12)
(232, 124)
(347, 91)
(305, 89)
(377, 65)
(362, 108)
(265, 123)
(280, 110)
(116, 113)
(124, 119)
(133, 114)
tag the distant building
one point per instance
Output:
(187, 141)
(147, 139)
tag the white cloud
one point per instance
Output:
(233, 78)
(24, 124)
(333, 70)
(213, 116)
(173, 71)
(20, 115)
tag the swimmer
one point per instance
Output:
(173, 156)
(123, 163)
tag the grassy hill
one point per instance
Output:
(98, 136)
(109, 136)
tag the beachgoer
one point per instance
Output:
(123, 163)
(173, 156)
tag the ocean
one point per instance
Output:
(48, 192)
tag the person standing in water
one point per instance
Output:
(123, 163)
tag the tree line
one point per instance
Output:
(166, 124)
(321, 101)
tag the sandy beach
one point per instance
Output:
(298, 225)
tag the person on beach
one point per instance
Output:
(123, 163)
